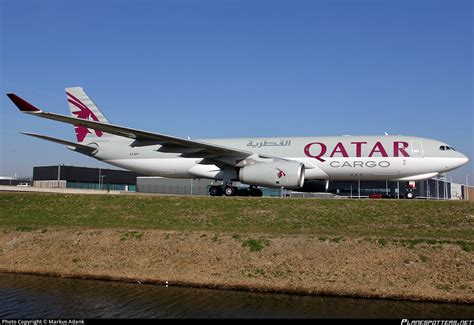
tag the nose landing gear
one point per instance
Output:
(410, 195)
(410, 188)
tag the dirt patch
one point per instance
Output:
(277, 263)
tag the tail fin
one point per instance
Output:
(81, 106)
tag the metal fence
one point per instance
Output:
(172, 189)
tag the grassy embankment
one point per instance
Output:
(408, 222)
(365, 248)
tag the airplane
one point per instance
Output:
(305, 164)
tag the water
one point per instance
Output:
(29, 296)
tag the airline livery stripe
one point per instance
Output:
(81, 108)
(80, 105)
(77, 100)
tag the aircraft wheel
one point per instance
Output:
(410, 195)
(243, 192)
(215, 191)
(230, 190)
(256, 192)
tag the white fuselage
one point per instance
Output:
(331, 158)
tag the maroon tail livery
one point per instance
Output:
(82, 107)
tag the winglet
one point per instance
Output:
(22, 104)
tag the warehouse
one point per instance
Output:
(15, 181)
(61, 176)
(428, 189)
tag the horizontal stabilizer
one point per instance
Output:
(71, 145)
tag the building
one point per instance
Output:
(15, 181)
(164, 185)
(61, 176)
(426, 189)
(468, 193)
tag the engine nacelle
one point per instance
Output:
(315, 186)
(288, 174)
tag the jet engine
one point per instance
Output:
(288, 174)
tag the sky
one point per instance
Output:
(238, 69)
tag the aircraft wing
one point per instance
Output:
(187, 148)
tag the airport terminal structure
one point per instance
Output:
(60, 176)
(71, 177)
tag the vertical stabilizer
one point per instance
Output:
(81, 106)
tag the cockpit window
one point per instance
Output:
(442, 148)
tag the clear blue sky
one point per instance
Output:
(239, 69)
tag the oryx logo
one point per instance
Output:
(281, 173)
(83, 113)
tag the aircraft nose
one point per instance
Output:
(463, 159)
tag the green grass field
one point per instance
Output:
(449, 220)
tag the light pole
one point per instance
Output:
(102, 183)
(59, 174)
(437, 187)
(445, 187)
(358, 186)
(427, 184)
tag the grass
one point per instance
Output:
(424, 259)
(131, 235)
(444, 286)
(255, 245)
(411, 243)
(382, 242)
(24, 228)
(423, 221)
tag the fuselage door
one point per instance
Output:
(416, 148)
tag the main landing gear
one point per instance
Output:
(229, 190)
(410, 189)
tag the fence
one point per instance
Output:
(50, 184)
(84, 185)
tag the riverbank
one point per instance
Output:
(292, 264)
(310, 253)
